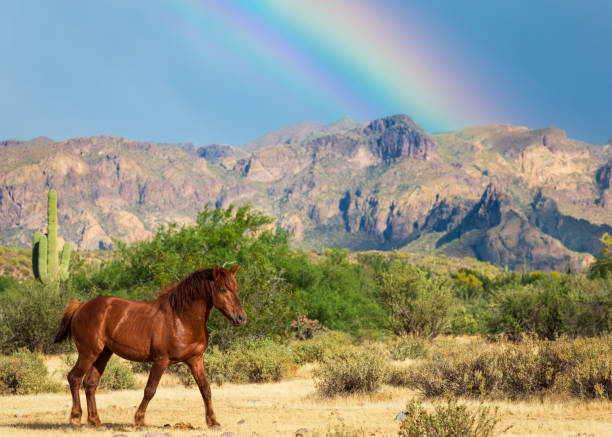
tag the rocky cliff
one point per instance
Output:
(499, 193)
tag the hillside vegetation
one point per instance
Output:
(368, 295)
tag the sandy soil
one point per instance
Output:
(280, 409)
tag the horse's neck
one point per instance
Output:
(200, 308)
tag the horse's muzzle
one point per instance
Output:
(240, 319)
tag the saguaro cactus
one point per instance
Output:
(45, 263)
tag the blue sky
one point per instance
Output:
(228, 72)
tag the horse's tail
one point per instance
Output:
(63, 332)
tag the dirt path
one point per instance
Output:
(280, 409)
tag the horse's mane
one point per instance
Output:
(182, 293)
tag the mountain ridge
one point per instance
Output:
(381, 184)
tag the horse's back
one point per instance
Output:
(116, 323)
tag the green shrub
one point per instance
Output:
(24, 372)
(258, 361)
(29, 316)
(350, 370)
(553, 305)
(183, 372)
(319, 347)
(409, 348)
(448, 420)
(118, 375)
(418, 302)
(602, 266)
(7, 282)
(337, 292)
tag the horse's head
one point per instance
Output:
(225, 295)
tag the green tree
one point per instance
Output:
(602, 266)
(229, 236)
(417, 301)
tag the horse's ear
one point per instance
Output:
(234, 269)
(217, 273)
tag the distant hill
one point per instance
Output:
(300, 133)
(497, 193)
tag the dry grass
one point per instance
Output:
(279, 409)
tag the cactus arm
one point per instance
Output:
(35, 248)
(65, 261)
(52, 250)
(42, 260)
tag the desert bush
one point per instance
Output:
(305, 328)
(586, 368)
(260, 360)
(449, 420)
(118, 375)
(30, 315)
(183, 372)
(138, 367)
(24, 372)
(350, 370)
(592, 379)
(399, 376)
(516, 370)
(418, 302)
(409, 347)
(319, 347)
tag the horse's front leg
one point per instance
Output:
(196, 364)
(158, 369)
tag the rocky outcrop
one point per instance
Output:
(576, 234)
(604, 175)
(497, 231)
(216, 153)
(396, 137)
(487, 213)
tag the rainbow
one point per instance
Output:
(361, 59)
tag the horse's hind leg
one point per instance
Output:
(75, 376)
(158, 369)
(91, 384)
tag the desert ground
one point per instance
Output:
(279, 409)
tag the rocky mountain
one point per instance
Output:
(497, 193)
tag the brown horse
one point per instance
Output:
(168, 330)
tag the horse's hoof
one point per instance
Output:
(214, 425)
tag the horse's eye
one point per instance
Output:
(223, 290)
